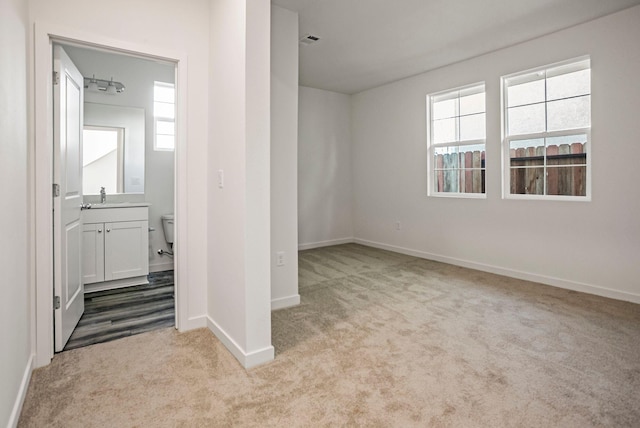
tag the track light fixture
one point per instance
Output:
(110, 87)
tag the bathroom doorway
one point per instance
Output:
(171, 177)
(127, 143)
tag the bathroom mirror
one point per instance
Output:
(113, 149)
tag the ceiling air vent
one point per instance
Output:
(308, 39)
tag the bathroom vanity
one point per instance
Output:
(115, 245)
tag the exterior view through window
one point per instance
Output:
(547, 120)
(456, 136)
(164, 114)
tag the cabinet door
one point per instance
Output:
(92, 253)
(126, 249)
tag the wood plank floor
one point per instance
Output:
(113, 314)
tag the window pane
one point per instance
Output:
(526, 119)
(459, 181)
(569, 113)
(569, 85)
(444, 130)
(526, 93)
(567, 150)
(164, 142)
(459, 169)
(471, 104)
(472, 127)
(164, 94)
(444, 109)
(527, 152)
(163, 110)
(165, 127)
(446, 158)
(567, 180)
(465, 154)
(447, 176)
(527, 181)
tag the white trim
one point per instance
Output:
(160, 267)
(14, 417)
(42, 170)
(569, 66)
(115, 284)
(248, 360)
(512, 273)
(194, 323)
(328, 243)
(285, 302)
(458, 195)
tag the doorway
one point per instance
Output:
(45, 38)
(120, 169)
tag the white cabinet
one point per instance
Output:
(115, 247)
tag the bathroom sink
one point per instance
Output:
(119, 205)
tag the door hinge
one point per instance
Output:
(56, 78)
(56, 302)
(56, 190)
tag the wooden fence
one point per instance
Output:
(460, 172)
(566, 171)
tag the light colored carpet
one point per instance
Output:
(380, 339)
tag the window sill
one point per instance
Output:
(548, 198)
(450, 195)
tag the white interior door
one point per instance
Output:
(68, 88)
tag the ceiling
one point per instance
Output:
(367, 43)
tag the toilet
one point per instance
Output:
(167, 227)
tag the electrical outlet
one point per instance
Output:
(398, 225)
(280, 258)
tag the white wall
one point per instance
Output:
(138, 76)
(324, 168)
(165, 26)
(590, 246)
(239, 285)
(15, 305)
(284, 156)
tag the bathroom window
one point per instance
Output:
(102, 159)
(164, 114)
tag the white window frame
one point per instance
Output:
(431, 146)
(157, 118)
(579, 63)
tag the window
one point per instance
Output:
(456, 137)
(547, 120)
(164, 116)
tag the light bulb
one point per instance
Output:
(93, 85)
(111, 89)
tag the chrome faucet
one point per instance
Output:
(103, 195)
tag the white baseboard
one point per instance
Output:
(193, 323)
(248, 360)
(22, 393)
(285, 302)
(527, 276)
(328, 243)
(116, 283)
(161, 267)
